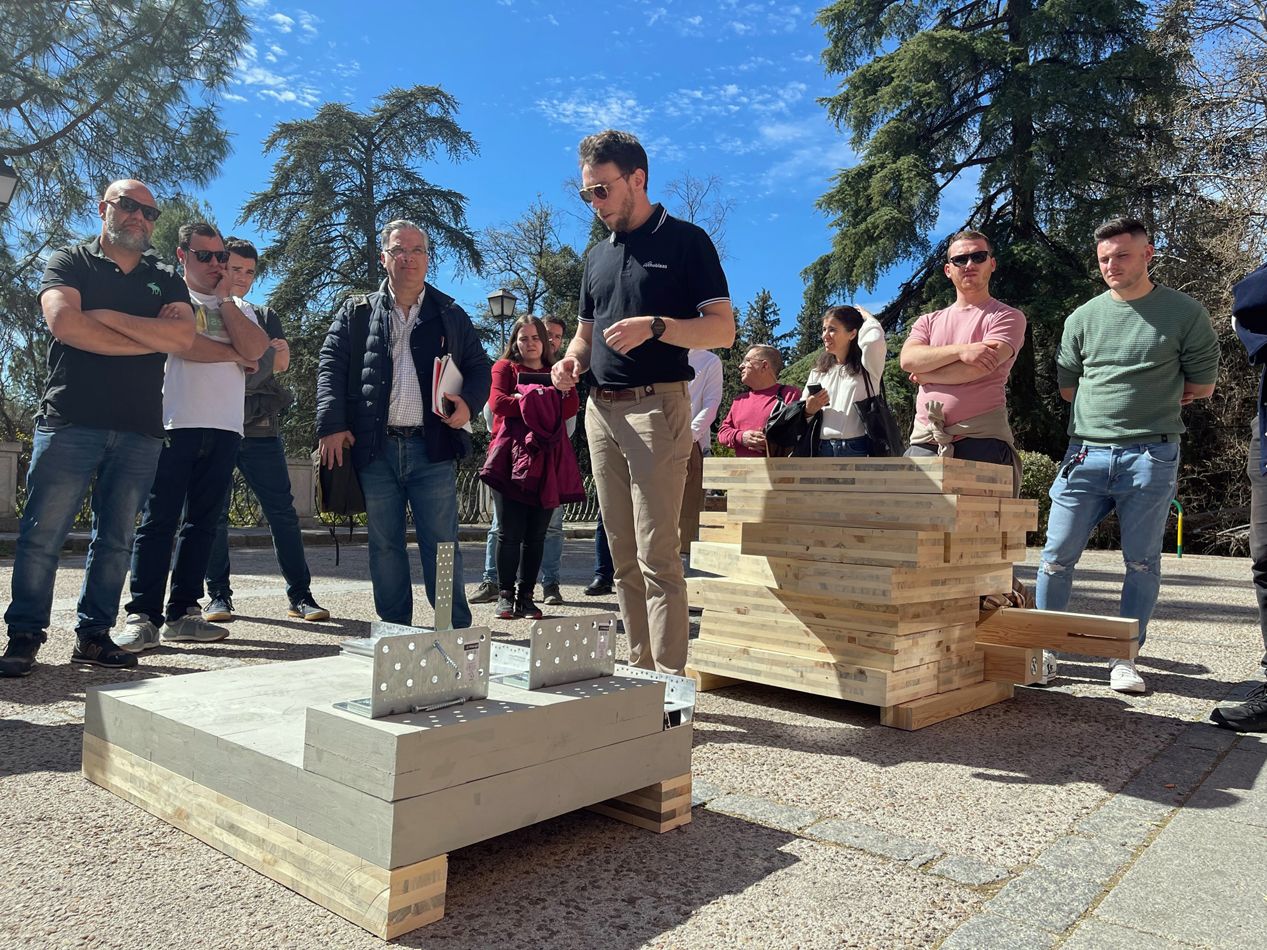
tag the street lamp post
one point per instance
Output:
(8, 183)
(501, 304)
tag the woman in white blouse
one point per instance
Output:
(853, 343)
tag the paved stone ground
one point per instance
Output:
(1071, 816)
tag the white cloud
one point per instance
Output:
(281, 22)
(614, 108)
(234, 97)
(307, 24)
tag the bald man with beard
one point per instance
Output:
(115, 312)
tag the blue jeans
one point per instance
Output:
(859, 447)
(403, 476)
(194, 471)
(551, 557)
(64, 459)
(263, 465)
(1137, 480)
(603, 566)
(552, 554)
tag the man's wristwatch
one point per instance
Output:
(657, 327)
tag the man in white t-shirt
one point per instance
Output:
(203, 394)
(705, 393)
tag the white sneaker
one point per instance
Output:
(138, 634)
(193, 629)
(1049, 670)
(1124, 678)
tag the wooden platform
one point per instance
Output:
(860, 580)
(358, 815)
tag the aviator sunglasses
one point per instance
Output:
(130, 206)
(599, 192)
(204, 257)
(977, 257)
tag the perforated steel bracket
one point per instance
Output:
(560, 650)
(679, 691)
(415, 670)
(444, 585)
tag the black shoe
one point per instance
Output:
(599, 587)
(505, 608)
(551, 595)
(1249, 716)
(524, 607)
(19, 656)
(101, 651)
(306, 609)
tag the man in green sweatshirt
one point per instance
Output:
(1129, 360)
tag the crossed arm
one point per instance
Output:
(953, 363)
(112, 333)
(248, 340)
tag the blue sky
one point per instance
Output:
(726, 88)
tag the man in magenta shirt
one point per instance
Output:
(743, 429)
(960, 358)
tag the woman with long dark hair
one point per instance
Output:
(853, 344)
(523, 519)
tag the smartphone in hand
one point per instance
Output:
(813, 389)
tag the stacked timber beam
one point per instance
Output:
(860, 579)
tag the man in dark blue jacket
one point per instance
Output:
(1249, 316)
(374, 399)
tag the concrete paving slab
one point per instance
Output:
(762, 811)
(991, 932)
(1201, 881)
(1096, 934)
(1095, 859)
(969, 871)
(872, 840)
(1041, 898)
(1237, 788)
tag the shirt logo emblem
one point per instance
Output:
(657, 266)
(154, 288)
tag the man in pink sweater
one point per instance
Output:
(743, 429)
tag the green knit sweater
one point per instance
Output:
(1129, 361)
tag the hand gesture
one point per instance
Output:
(461, 413)
(753, 439)
(816, 402)
(628, 334)
(332, 447)
(566, 373)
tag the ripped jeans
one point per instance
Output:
(1137, 480)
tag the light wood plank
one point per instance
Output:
(660, 807)
(1084, 634)
(959, 670)
(836, 545)
(1022, 666)
(385, 902)
(923, 476)
(929, 710)
(913, 512)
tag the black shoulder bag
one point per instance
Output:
(878, 420)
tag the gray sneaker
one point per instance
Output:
(139, 633)
(486, 593)
(192, 628)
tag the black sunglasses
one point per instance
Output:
(977, 257)
(130, 206)
(204, 257)
(600, 191)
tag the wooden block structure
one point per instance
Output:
(860, 579)
(359, 814)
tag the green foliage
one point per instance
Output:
(1038, 471)
(340, 176)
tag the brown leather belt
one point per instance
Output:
(617, 395)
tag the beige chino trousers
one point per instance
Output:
(639, 448)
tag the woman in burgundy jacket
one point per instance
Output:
(525, 505)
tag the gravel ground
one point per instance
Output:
(765, 862)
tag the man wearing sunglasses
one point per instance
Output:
(649, 294)
(115, 312)
(203, 397)
(1129, 360)
(960, 357)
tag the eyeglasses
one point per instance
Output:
(977, 257)
(396, 253)
(130, 206)
(204, 257)
(599, 191)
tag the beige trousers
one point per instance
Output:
(639, 449)
(692, 498)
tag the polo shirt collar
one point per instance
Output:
(657, 218)
(148, 258)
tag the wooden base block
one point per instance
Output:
(1019, 665)
(964, 669)
(706, 681)
(1084, 634)
(821, 677)
(386, 902)
(660, 807)
(911, 512)
(929, 710)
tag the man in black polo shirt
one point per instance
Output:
(652, 291)
(115, 313)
